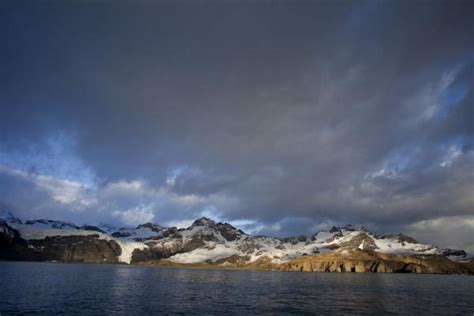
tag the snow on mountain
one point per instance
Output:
(322, 236)
(457, 255)
(41, 229)
(92, 227)
(140, 233)
(218, 251)
(109, 229)
(394, 245)
(208, 241)
(31, 232)
(213, 246)
(366, 240)
(51, 224)
(36, 231)
(128, 247)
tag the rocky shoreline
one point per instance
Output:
(313, 264)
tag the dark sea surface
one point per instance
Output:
(55, 288)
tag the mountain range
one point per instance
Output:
(214, 244)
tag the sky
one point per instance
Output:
(280, 117)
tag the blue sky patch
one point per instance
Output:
(450, 98)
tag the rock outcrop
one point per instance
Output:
(370, 261)
(88, 249)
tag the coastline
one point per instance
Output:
(282, 267)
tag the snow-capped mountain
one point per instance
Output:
(205, 241)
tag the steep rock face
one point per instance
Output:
(347, 227)
(454, 252)
(87, 248)
(229, 232)
(12, 246)
(61, 241)
(401, 238)
(294, 240)
(369, 261)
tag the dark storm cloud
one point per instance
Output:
(287, 114)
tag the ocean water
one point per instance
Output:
(55, 288)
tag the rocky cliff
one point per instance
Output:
(371, 261)
(75, 248)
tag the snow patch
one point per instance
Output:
(220, 251)
(127, 249)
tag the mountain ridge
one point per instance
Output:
(206, 241)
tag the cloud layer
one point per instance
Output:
(280, 117)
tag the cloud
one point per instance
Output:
(130, 202)
(67, 192)
(137, 215)
(278, 116)
(455, 232)
(436, 97)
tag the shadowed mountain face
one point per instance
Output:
(341, 249)
(73, 248)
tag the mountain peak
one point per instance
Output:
(347, 227)
(401, 238)
(151, 226)
(204, 221)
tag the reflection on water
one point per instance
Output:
(118, 289)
